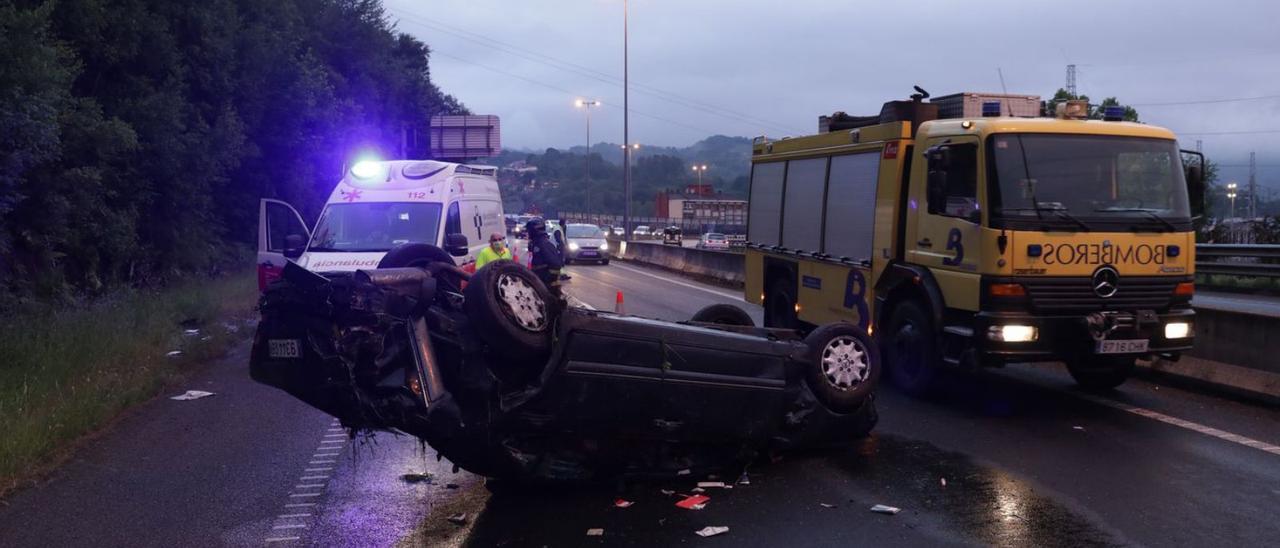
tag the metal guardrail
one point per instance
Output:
(1252, 260)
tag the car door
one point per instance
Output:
(945, 234)
(276, 221)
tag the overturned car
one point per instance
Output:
(499, 377)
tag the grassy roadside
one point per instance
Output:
(65, 372)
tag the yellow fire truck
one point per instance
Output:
(979, 237)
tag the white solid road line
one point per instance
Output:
(1185, 424)
(679, 283)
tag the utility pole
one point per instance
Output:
(626, 136)
(1071, 80)
(587, 163)
(1253, 186)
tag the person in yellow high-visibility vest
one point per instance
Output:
(496, 251)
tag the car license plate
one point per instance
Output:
(1132, 346)
(283, 348)
(589, 254)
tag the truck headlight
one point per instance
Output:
(1012, 333)
(1177, 330)
(573, 246)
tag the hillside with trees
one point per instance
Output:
(136, 136)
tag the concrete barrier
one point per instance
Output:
(724, 266)
(1235, 351)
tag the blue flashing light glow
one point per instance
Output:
(990, 108)
(1174, 250)
(1113, 113)
(1034, 250)
(366, 169)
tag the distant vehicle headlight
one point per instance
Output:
(573, 246)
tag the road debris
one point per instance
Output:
(458, 519)
(684, 472)
(667, 492)
(711, 531)
(698, 490)
(744, 479)
(826, 505)
(595, 532)
(414, 477)
(1081, 428)
(173, 353)
(694, 502)
(882, 509)
(944, 482)
(190, 332)
(623, 503)
(191, 395)
(719, 484)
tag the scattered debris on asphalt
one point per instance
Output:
(744, 480)
(719, 484)
(414, 477)
(694, 502)
(711, 531)
(595, 532)
(190, 332)
(173, 353)
(698, 490)
(684, 472)
(1081, 428)
(882, 509)
(458, 519)
(944, 482)
(826, 505)
(667, 492)
(191, 395)
(623, 503)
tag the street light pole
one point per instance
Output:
(626, 136)
(699, 170)
(1231, 193)
(587, 163)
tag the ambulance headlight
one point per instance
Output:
(1177, 330)
(573, 246)
(1012, 333)
(366, 169)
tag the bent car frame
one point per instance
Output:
(504, 381)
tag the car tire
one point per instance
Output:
(780, 305)
(911, 349)
(723, 314)
(1101, 372)
(419, 255)
(604, 261)
(844, 366)
(511, 310)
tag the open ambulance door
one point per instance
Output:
(277, 221)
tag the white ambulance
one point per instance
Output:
(378, 206)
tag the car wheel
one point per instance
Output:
(780, 307)
(911, 350)
(604, 261)
(419, 255)
(844, 366)
(511, 309)
(1101, 372)
(723, 314)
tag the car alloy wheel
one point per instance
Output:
(522, 303)
(845, 363)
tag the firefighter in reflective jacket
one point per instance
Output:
(545, 256)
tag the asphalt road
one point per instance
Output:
(1027, 460)
(248, 466)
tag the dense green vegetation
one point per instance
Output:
(136, 136)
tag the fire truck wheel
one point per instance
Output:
(911, 349)
(724, 314)
(780, 305)
(1101, 372)
(844, 365)
(511, 310)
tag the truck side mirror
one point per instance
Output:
(294, 245)
(456, 244)
(1195, 182)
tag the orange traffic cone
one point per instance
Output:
(618, 307)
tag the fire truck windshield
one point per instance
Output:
(1086, 181)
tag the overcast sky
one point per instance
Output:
(753, 67)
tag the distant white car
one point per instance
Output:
(714, 241)
(642, 231)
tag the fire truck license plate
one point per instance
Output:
(1133, 346)
(283, 348)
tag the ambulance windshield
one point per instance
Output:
(374, 226)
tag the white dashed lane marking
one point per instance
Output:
(313, 480)
(1185, 424)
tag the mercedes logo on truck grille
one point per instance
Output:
(1106, 281)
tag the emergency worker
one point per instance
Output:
(496, 251)
(544, 256)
